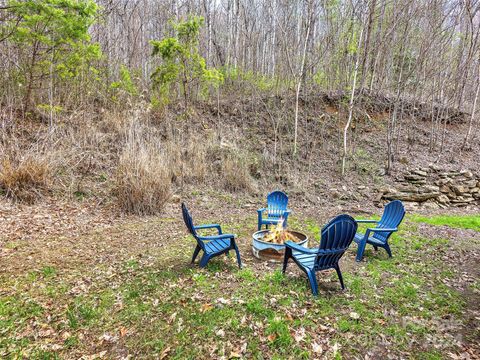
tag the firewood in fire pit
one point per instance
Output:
(278, 235)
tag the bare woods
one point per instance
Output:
(76, 74)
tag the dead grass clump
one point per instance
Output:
(25, 179)
(143, 176)
(236, 173)
(232, 167)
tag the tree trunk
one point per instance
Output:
(350, 106)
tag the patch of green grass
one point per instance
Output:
(430, 355)
(454, 221)
(48, 271)
(44, 355)
(247, 274)
(71, 342)
(279, 331)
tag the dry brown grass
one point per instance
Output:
(25, 179)
(121, 153)
(236, 174)
(143, 178)
(230, 166)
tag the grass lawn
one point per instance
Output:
(153, 304)
(462, 222)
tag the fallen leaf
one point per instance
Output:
(172, 317)
(206, 307)
(299, 335)
(354, 315)
(165, 352)
(317, 348)
(223, 301)
(272, 337)
(123, 331)
(234, 355)
(108, 338)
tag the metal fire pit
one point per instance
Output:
(270, 251)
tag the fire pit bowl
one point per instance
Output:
(266, 250)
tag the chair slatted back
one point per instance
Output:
(392, 217)
(277, 202)
(337, 236)
(187, 218)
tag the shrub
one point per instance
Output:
(143, 176)
(25, 179)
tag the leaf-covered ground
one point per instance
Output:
(75, 283)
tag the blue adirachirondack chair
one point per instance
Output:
(212, 245)
(337, 236)
(386, 226)
(277, 202)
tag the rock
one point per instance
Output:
(420, 172)
(451, 195)
(435, 167)
(378, 199)
(474, 190)
(414, 177)
(459, 189)
(418, 182)
(445, 189)
(409, 205)
(429, 189)
(355, 197)
(449, 174)
(386, 189)
(443, 199)
(334, 192)
(463, 199)
(405, 196)
(441, 182)
(431, 205)
(467, 173)
(470, 183)
(407, 188)
(361, 187)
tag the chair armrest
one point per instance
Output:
(382, 229)
(300, 248)
(261, 210)
(210, 226)
(217, 237)
(286, 213)
(366, 221)
(369, 230)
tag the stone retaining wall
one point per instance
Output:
(433, 187)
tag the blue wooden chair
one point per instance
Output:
(386, 226)
(337, 236)
(277, 202)
(213, 245)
